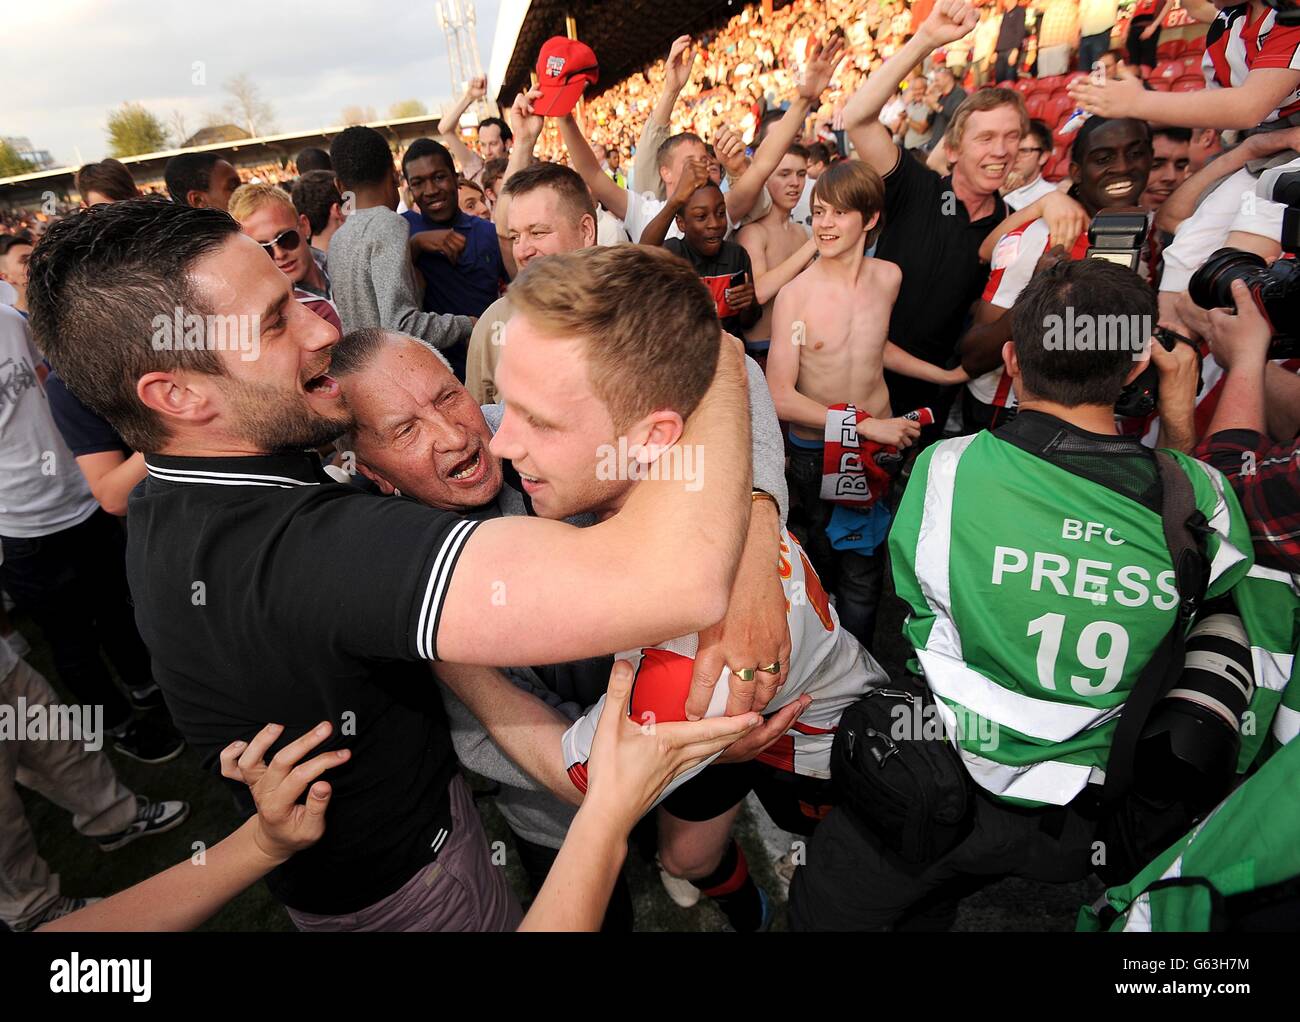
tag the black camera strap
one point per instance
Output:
(1184, 527)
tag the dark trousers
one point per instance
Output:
(1092, 47)
(73, 585)
(537, 861)
(856, 579)
(1004, 70)
(1142, 51)
(852, 882)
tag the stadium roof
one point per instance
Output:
(626, 35)
(148, 167)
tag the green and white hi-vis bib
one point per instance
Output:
(1269, 603)
(1251, 841)
(1037, 596)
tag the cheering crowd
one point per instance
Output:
(584, 459)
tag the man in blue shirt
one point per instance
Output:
(458, 255)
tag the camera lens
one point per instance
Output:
(1189, 746)
(1211, 285)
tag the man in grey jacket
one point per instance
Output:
(374, 281)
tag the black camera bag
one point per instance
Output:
(912, 792)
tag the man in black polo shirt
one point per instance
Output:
(265, 592)
(934, 225)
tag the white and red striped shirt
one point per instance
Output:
(1236, 46)
(1014, 261)
(825, 661)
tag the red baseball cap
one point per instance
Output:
(565, 67)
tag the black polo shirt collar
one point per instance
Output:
(995, 216)
(284, 470)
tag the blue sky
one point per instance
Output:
(69, 62)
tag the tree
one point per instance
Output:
(358, 115)
(247, 108)
(11, 164)
(177, 126)
(407, 108)
(133, 130)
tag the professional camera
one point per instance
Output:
(1118, 236)
(1188, 749)
(1275, 288)
(1139, 398)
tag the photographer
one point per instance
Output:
(1044, 603)
(1252, 437)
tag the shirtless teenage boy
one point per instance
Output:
(778, 247)
(831, 323)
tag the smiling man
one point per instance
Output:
(778, 245)
(934, 225)
(1109, 163)
(268, 216)
(265, 591)
(1170, 164)
(457, 254)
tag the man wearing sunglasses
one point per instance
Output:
(268, 216)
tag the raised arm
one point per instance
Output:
(729, 148)
(1242, 107)
(662, 566)
(677, 72)
(822, 63)
(527, 128)
(184, 896)
(449, 127)
(694, 175)
(602, 186)
(949, 21)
